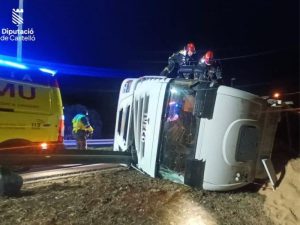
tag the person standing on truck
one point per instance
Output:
(210, 69)
(81, 130)
(184, 57)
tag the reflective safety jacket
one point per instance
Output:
(81, 122)
(177, 60)
(210, 72)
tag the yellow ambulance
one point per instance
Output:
(31, 110)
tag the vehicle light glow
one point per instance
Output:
(44, 146)
(12, 64)
(45, 70)
(276, 95)
(68, 69)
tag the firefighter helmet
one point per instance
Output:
(190, 47)
(208, 57)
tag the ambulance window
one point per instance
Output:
(120, 120)
(126, 123)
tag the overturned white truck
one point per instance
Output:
(197, 133)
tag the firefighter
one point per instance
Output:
(184, 57)
(210, 69)
(81, 130)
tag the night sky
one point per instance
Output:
(140, 35)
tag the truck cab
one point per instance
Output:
(194, 132)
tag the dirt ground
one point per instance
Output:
(283, 205)
(122, 196)
(125, 196)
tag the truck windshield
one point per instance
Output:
(178, 140)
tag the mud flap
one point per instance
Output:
(270, 171)
(194, 173)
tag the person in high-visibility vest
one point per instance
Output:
(81, 130)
